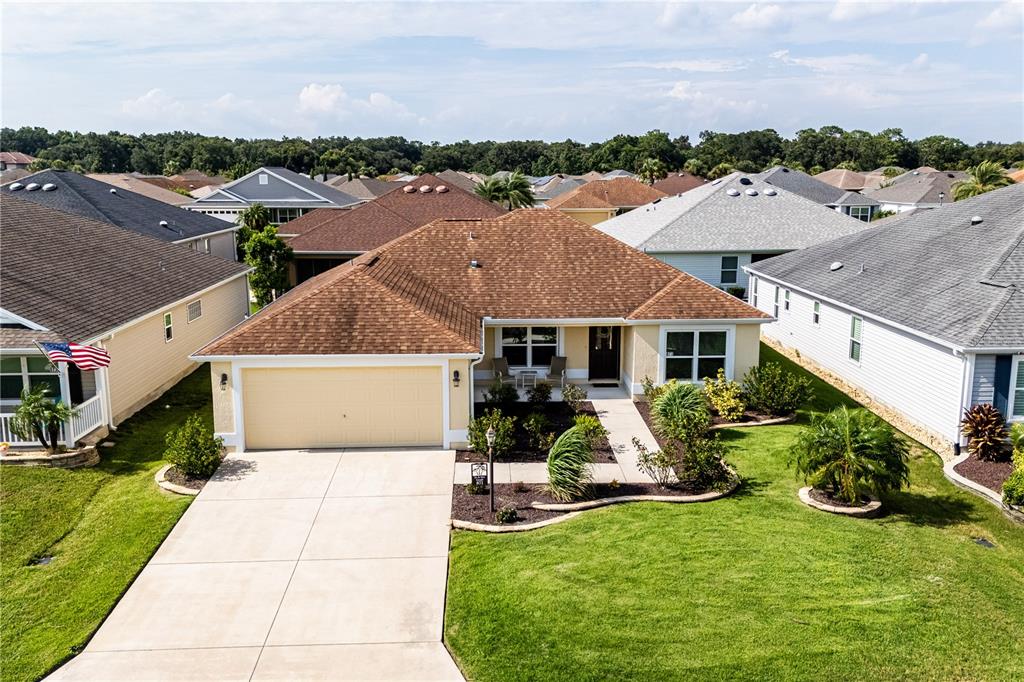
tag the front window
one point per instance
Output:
(691, 356)
(168, 327)
(861, 213)
(19, 373)
(730, 266)
(529, 346)
(856, 324)
(283, 215)
(1017, 392)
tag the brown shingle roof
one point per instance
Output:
(419, 293)
(100, 275)
(143, 187)
(677, 183)
(617, 193)
(377, 222)
(16, 157)
(361, 188)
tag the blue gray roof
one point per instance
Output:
(282, 188)
(735, 213)
(94, 199)
(811, 188)
(935, 272)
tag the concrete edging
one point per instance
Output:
(73, 459)
(978, 489)
(491, 528)
(161, 480)
(748, 425)
(870, 509)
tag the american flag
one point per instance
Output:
(85, 357)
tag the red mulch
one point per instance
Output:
(561, 419)
(992, 475)
(178, 478)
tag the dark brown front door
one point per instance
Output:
(604, 353)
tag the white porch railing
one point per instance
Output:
(89, 417)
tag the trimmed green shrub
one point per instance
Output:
(725, 396)
(503, 432)
(569, 475)
(574, 396)
(851, 453)
(506, 514)
(538, 428)
(539, 395)
(591, 427)
(703, 464)
(680, 411)
(193, 450)
(501, 395)
(774, 391)
(986, 432)
(1013, 488)
(1017, 442)
(474, 489)
(660, 465)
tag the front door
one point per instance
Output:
(604, 353)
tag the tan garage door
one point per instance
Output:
(324, 407)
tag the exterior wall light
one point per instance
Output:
(456, 378)
(223, 382)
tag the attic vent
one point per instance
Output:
(408, 189)
(264, 179)
(32, 187)
(113, 190)
(770, 192)
(15, 186)
(733, 192)
(474, 264)
(746, 181)
(426, 189)
(836, 265)
(976, 220)
(49, 187)
(751, 192)
(441, 189)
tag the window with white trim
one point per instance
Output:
(775, 304)
(1017, 392)
(861, 213)
(206, 246)
(856, 325)
(27, 371)
(816, 315)
(785, 300)
(168, 327)
(693, 355)
(753, 291)
(529, 346)
(730, 267)
(194, 310)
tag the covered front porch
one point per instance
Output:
(20, 370)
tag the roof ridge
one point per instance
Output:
(1013, 246)
(417, 308)
(993, 314)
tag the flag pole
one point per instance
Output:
(47, 356)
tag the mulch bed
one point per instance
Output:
(992, 475)
(825, 497)
(561, 419)
(178, 478)
(749, 417)
(476, 508)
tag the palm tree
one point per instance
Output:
(651, 170)
(518, 192)
(491, 189)
(39, 418)
(985, 177)
(250, 221)
(850, 453)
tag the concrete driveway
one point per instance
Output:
(322, 565)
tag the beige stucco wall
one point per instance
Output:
(488, 349)
(574, 341)
(143, 365)
(748, 349)
(646, 339)
(223, 406)
(591, 217)
(459, 397)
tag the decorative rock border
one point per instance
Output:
(746, 425)
(870, 509)
(991, 496)
(161, 480)
(73, 459)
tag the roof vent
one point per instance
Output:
(163, 223)
(976, 220)
(836, 265)
(770, 192)
(746, 181)
(733, 192)
(408, 189)
(471, 235)
(113, 190)
(715, 182)
(751, 192)
(474, 264)
(15, 186)
(426, 189)
(441, 189)
(785, 170)
(32, 187)
(49, 187)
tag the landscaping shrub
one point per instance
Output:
(193, 450)
(774, 391)
(591, 427)
(474, 489)
(725, 396)
(569, 474)
(850, 453)
(651, 391)
(703, 464)
(680, 411)
(539, 395)
(1013, 487)
(538, 428)
(986, 433)
(574, 396)
(504, 427)
(506, 514)
(738, 292)
(660, 465)
(501, 395)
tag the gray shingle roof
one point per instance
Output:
(284, 188)
(129, 210)
(97, 276)
(922, 188)
(933, 272)
(722, 216)
(811, 188)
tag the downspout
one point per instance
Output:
(966, 387)
(474, 363)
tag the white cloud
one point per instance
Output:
(330, 100)
(694, 65)
(758, 17)
(1003, 22)
(832, 64)
(154, 105)
(846, 10)
(322, 99)
(705, 103)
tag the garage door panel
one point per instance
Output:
(340, 407)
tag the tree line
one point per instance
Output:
(714, 153)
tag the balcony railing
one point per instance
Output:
(88, 419)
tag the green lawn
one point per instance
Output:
(100, 525)
(755, 586)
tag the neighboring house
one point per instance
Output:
(286, 194)
(148, 303)
(921, 188)
(844, 179)
(361, 188)
(556, 185)
(191, 180)
(464, 181)
(925, 315)
(618, 173)
(599, 200)
(1017, 175)
(327, 238)
(386, 350)
(142, 186)
(12, 174)
(15, 160)
(677, 183)
(847, 202)
(98, 200)
(715, 230)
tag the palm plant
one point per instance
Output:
(569, 461)
(850, 453)
(651, 170)
(250, 221)
(985, 177)
(518, 193)
(39, 418)
(491, 189)
(985, 429)
(680, 411)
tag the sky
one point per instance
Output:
(450, 71)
